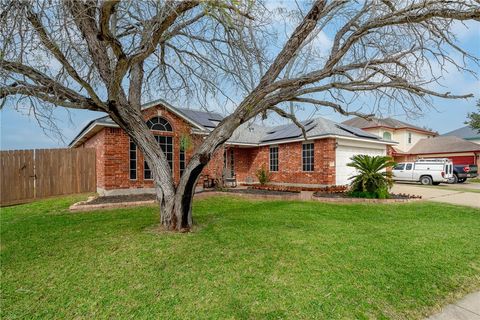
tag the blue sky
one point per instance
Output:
(19, 129)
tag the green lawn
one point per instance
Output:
(245, 260)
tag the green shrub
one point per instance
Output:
(263, 175)
(380, 194)
(372, 180)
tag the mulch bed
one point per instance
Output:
(262, 192)
(123, 198)
(271, 187)
(344, 195)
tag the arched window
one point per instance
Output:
(387, 135)
(159, 123)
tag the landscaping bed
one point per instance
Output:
(252, 190)
(112, 202)
(122, 198)
(345, 195)
(282, 188)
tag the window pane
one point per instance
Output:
(159, 123)
(147, 174)
(133, 161)
(274, 159)
(166, 145)
(308, 157)
(181, 163)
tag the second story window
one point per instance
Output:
(409, 137)
(308, 160)
(274, 159)
(387, 135)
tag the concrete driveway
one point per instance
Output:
(460, 194)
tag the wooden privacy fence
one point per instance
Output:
(27, 175)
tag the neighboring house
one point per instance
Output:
(282, 150)
(405, 134)
(459, 150)
(467, 133)
(415, 142)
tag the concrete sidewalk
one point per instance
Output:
(466, 309)
(438, 194)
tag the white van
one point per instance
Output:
(425, 171)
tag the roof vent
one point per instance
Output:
(251, 129)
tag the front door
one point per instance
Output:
(229, 163)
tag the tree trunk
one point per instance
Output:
(130, 119)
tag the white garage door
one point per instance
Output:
(343, 155)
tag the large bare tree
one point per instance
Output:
(106, 55)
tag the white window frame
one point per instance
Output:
(276, 158)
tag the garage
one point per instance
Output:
(463, 159)
(345, 151)
(460, 151)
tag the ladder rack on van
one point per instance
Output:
(437, 160)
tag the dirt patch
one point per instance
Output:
(122, 198)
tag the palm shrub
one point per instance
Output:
(372, 180)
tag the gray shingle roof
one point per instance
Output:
(318, 127)
(246, 133)
(466, 132)
(443, 145)
(204, 118)
(384, 122)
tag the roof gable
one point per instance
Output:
(443, 145)
(201, 120)
(382, 122)
(466, 132)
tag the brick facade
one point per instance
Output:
(112, 147)
(249, 160)
(98, 142)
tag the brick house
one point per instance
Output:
(282, 150)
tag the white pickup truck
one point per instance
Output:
(425, 171)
